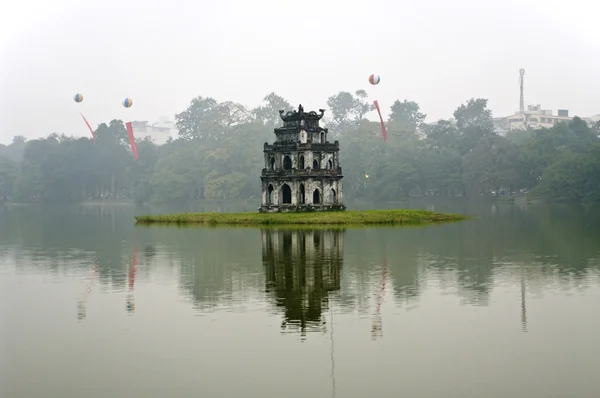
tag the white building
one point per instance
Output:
(160, 131)
(534, 117)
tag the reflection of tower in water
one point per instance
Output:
(302, 267)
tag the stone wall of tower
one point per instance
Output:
(301, 168)
(330, 191)
(322, 158)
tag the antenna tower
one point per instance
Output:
(521, 100)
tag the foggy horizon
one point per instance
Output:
(162, 55)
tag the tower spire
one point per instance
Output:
(521, 81)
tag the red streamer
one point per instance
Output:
(383, 130)
(131, 139)
(89, 127)
(134, 261)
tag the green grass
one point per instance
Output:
(347, 218)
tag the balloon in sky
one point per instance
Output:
(374, 79)
(127, 102)
(78, 97)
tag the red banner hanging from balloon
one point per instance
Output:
(383, 130)
(133, 268)
(131, 139)
(89, 127)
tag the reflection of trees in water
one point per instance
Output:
(555, 246)
(393, 248)
(74, 236)
(470, 278)
(218, 267)
(537, 247)
(211, 288)
(354, 291)
(302, 267)
(409, 276)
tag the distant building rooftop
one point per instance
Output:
(160, 132)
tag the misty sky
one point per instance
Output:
(163, 53)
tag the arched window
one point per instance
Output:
(322, 138)
(333, 196)
(316, 196)
(302, 200)
(315, 165)
(270, 194)
(330, 164)
(272, 163)
(287, 163)
(301, 162)
(286, 194)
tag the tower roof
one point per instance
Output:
(292, 116)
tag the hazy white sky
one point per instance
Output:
(163, 53)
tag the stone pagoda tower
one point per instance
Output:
(302, 169)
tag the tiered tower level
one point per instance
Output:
(302, 169)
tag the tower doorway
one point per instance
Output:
(286, 194)
(316, 196)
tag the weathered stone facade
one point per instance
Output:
(302, 170)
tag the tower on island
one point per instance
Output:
(302, 169)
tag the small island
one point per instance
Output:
(347, 217)
(302, 185)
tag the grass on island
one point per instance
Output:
(348, 217)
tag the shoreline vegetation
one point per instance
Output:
(218, 155)
(346, 218)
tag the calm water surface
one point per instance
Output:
(501, 306)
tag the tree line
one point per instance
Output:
(218, 155)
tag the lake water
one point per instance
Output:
(505, 305)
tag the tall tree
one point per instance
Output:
(198, 120)
(491, 168)
(474, 113)
(342, 106)
(474, 121)
(407, 113)
(268, 113)
(232, 114)
(9, 172)
(362, 105)
(442, 134)
(15, 150)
